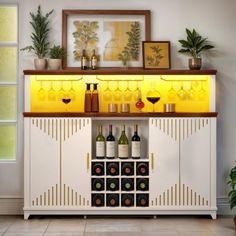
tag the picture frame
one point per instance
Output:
(156, 55)
(110, 32)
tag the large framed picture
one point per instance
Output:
(156, 55)
(113, 34)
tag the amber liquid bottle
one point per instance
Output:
(87, 99)
(95, 101)
(84, 61)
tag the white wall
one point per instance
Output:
(212, 18)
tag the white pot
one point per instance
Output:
(40, 64)
(54, 64)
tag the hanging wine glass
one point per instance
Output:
(127, 93)
(41, 92)
(191, 92)
(202, 92)
(107, 93)
(136, 91)
(61, 92)
(153, 96)
(51, 93)
(66, 100)
(181, 92)
(172, 92)
(117, 93)
(72, 92)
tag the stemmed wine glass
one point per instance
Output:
(153, 96)
(107, 93)
(61, 92)
(117, 92)
(127, 93)
(172, 92)
(41, 92)
(202, 92)
(66, 100)
(72, 92)
(181, 92)
(191, 92)
(51, 93)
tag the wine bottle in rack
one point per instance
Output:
(135, 144)
(127, 184)
(100, 144)
(127, 200)
(142, 184)
(123, 145)
(97, 168)
(142, 200)
(98, 200)
(112, 168)
(142, 168)
(97, 184)
(110, 144)
(112, 184)
(112, 200)
(127, 168)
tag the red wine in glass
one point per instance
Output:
(153, 100)
(66, 100)
(153, 96)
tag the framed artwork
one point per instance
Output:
(156, 55)
(114, 34)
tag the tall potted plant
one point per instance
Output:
(56, 54)
(232, 193)
(193, 45)
(39, 36)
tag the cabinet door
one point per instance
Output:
(75, 166)
(195, 159)
(164, 162)
(44, 162)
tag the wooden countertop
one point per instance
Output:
(101, 114)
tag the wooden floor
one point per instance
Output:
(104, 226)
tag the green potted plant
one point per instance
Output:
(124, 57)
(39, 36)
(232, 193)
(56, 54)
(193, 45)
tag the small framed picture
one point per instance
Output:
(156, 55)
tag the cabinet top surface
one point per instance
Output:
(133, 115)
(119, 71)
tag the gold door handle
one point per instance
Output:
(88, 161)
(152, 161)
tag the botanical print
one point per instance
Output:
(85, 37)
(155, 58)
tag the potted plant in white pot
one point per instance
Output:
(56, 54)
(193, 45)
(232, 193)
(39, 36)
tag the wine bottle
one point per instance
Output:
(112, 168)
(142, 200)
(127, 168)
(94, 61)
(95, 99)
(135, 144)
(112, 184)
(127, 200)
(142, 168)
(84, 61)
(127, 184)
(110, 144)
(100, 145)
(123, 145)
(97, 184)
(97, 168)
(98, 200)
(112, 200)
(142, 184)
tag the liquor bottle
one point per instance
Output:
(94, 99)
(127, 168)
(88, 99)
(98, 200)
(142, 168)
(142, 184)
(135, 144)
(84, 61)
(94, 60)
(97, 169)
(112, 184)
(123, 146)
(127, 184)
(112, 168)
(127, 200)
(142, 200)
(97, 184)
(112, 200)
(110, 144)
(100, 145)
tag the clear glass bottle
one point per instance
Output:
(84, 61)
(123, 145)
(94, 60)
(100, 144)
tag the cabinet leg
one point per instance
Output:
(85, 217)
(26, 216)
(213, 216)
(154, 217)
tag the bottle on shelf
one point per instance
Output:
(142, 200)
(112, 184)
(142, 184)
(110, 144)
(127, 168)
(88, 99)
(112, 168)
(123, 145)
(94, 60)
(84, 61)
(97, 168)
(94, 99)
(127, 184)
(112, 200)
(97, 184)
(98, 200)
(135, 144)
(100, 144)
(127, 200)
(142, 168)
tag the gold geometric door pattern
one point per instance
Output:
(60, 130)
(180, 130)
